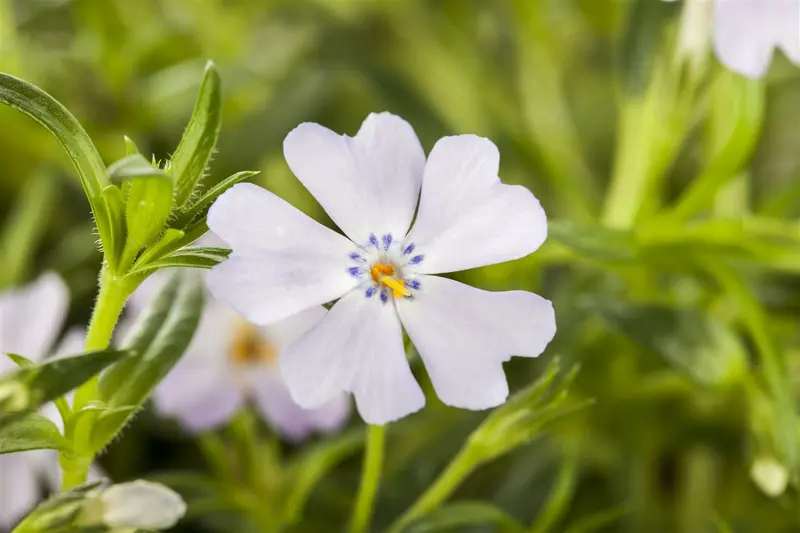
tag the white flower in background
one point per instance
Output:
(140, 505)
(746, 32)
(770, 476)
(30, 319)
(283, 262)
(231, 361)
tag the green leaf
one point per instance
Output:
(191, 158)
(190, 257)
(733, 129)
(158, 339)
(130, 146)
(108, 423)
(47, 111)
(20, 361)
(313, 466)
(148, 203)
(689, 340)
(200, 207)
(56, 377)
(114, 206)
(594, 241)
(24, 227)
(456, 516)
(32, 432)
(643, 41)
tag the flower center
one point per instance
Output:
(384, 275)
(249, 347)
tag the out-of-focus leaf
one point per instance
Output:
(311, 467)
(692, 341)
(158, 339)
(642, 41)
(31, 432)
(23, 228)
(734, 127)
(594, 241)
(456, 516)
(189, 162)
(47, 111)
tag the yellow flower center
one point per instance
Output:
(385, 275)
(249, 347)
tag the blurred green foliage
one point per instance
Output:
(673, 194)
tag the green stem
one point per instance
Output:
(370, 479)
(110, 301)
(447, 482)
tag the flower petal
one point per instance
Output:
(367, 184)
(356, 347)
(467, 218)
(31, 317)
(141, 505)
(746, 31)
(464, 335)
(283, 262)
(289, 419)
(19, 491)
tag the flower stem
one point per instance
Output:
(370, 479)
(110, 301)
(447, 482)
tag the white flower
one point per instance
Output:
(30, 320)
(747, 31)
(141, 505)
(231, 361)
(283, 262)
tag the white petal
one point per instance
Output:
(367, 184)
(289, 419)
(31, 317)
(72, 343)
(464, 335)
(787, 18)
(19, 491)
(467, 218)
(283, 262)
(356, 347)
(746, 31)
(285, 332)
(141, 505)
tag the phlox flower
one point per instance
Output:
(31, 318)
(231, 361)
(381, 274)
(746, 32)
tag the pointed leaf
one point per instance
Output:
(32, 432)
(200, 207)
(159, 338)
(47, 111)
(191, 158)
(190, 257)
(457, 516)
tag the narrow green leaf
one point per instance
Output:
(20, 361)
(32, 432)
(191, 158)
(313, 466)
(190, 257)
(23, 228)
(108, 423)
(163, 246)
(47, 111)
(200, 207)
(114, 206)
(642, 41)
(159, 338)
(691, 341)
(130, 146)
(148, 204)
(456, 516)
